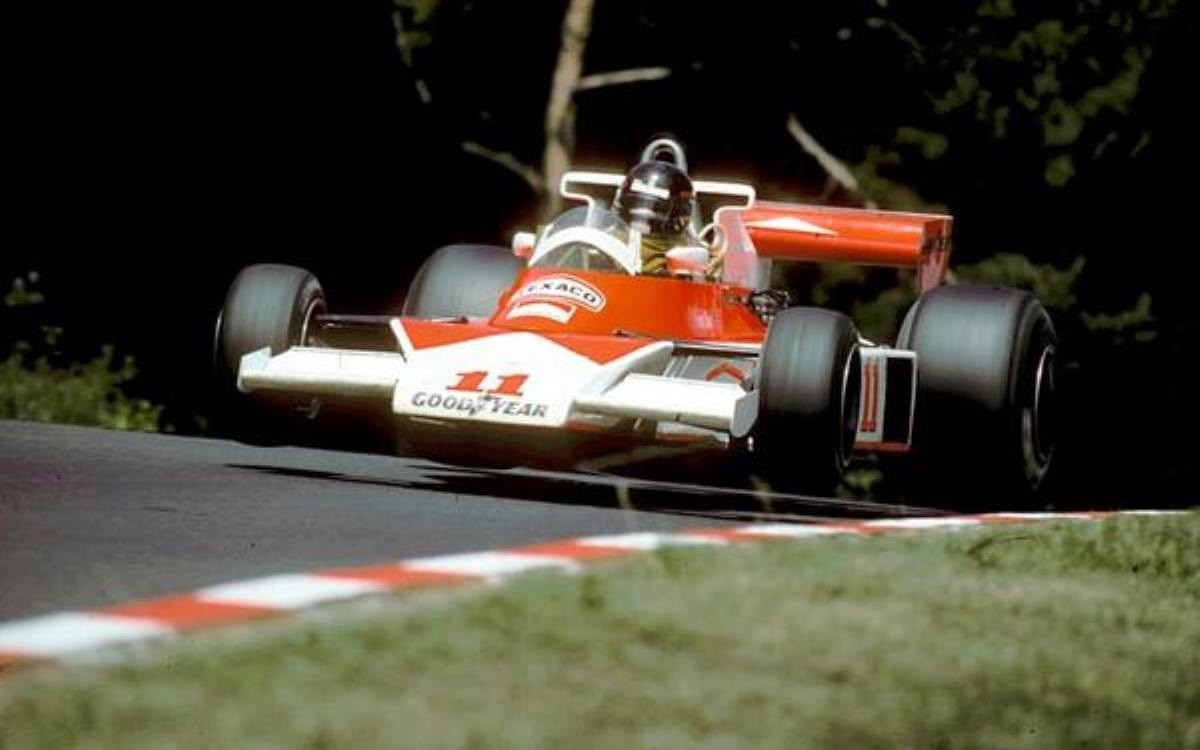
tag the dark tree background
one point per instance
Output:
(155, 150)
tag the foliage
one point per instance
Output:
(84, 394)
(24, 291)
(1055, 287)
(876, 299)
(36, 385)
(1045, 89)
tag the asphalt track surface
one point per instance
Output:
(93, 517)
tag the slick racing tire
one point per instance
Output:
(808, 381)
(461, 281)
(266, 306)
(985, 413)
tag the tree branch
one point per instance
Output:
(833, 167)
(406, 54)
(508, 161)
(619, 77)
(577, 25)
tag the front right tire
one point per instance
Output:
(809, 382)
(986, 396)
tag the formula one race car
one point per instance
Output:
(563, 334)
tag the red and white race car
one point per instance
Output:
(563, 333)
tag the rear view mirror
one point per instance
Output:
(522, 244)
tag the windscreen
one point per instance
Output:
(588, 238)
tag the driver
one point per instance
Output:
(657, 200)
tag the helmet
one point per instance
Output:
(656, 198)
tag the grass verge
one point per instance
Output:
(1063, 635)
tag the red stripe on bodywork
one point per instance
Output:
(185, 611)
(871, 385)
(883, 447)
(726, 369)
(425, 334)
(599, 349)
(864, 407)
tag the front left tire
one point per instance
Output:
(461, 281)
(273, 306)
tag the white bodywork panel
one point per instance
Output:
(553, 376)
(512, 378)
(334, 372)
(718, 406)
(875, 432)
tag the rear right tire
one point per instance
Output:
(985, 413)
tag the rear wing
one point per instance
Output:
(826, 234)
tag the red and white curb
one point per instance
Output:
(69, 635)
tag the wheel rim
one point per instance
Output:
(1043, 409)
(851, 389)
(314, 305)
(216, 347)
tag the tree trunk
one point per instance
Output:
(560, 115)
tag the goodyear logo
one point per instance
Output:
(487, 405)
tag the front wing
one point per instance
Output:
(472, 373)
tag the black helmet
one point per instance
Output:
(656, 197)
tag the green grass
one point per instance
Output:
(1063, 635)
